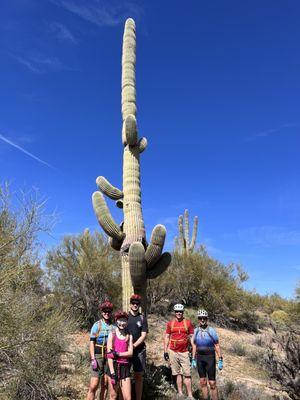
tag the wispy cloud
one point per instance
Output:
(38, 63)
(269, 132)
(62, 32)
(99, 13)
(16, 146)
(268, 236)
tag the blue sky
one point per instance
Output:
(218, 100)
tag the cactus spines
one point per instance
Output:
(140, 261)
(186, 245)
(108, 189)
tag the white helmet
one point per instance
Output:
(202, 313)
(178, 307)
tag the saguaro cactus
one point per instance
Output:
(187, 246)
(140, 261)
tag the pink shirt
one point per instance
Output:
(121, 346)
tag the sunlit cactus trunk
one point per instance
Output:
(140, 261)
(187, 246)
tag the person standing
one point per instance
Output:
(176, 344)
(138, 328)
(205, 344)
(98, 342)
(119, 352)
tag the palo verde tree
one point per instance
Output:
(140, 261)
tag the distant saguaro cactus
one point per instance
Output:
(140, 261)
(184, 234)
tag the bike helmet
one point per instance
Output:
(106, 305)
(121, 314)
(135, 298)
(179, 307)
(202, 313)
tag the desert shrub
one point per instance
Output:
(230, 390)
(256, 356)
(280, 317)
(83, 271)
(33, 331)
(238, 348)
(282, 360)
(158, 383)
(245, 320)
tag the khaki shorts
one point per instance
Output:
(180, 363)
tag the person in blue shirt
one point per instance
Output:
(205, 343)
(98, 341)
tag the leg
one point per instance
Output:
(94, 383)
(188, 384)
(126, 388)
(113, 390)
(213, 390)
(104, 386)
(186, 370)
(138, 376)
(179, 383)
(204, 388)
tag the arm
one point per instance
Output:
(194, 348)
(109, 348)
(92, 349)
(166, 342)
(218, 350)
(140, 340)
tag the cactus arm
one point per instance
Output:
(160, 267)
(142, 144)
(137, 265)
(194, 235)
(108, 189)
(130, 130)
(186, 229)
(104, 217)
(181, 232)
(156, 245)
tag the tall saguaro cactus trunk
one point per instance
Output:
(140, 261)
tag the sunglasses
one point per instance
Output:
(106, 311)
(178, 312)
(135, 303)
(202, 318)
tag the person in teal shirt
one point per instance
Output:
(98, 342)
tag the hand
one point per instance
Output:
(113, 379)
(220, 363)
(94, 364)
(116, 354)
(194, 363)
(166, 356)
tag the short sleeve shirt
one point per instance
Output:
(179, 332)
(99, 336)
(136, 325)
(206, 338)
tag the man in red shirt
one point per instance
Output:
(177, 339)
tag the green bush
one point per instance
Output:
(83, 271)
(280, 318)
(33, 331)
(238, 348)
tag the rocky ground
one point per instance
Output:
(243, 376)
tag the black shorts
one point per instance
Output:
(122, 371)
(138, 360)
(206, 365)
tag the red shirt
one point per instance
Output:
(179, 332)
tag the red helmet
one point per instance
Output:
(136, 297)
(121, 314)
(106, 305)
